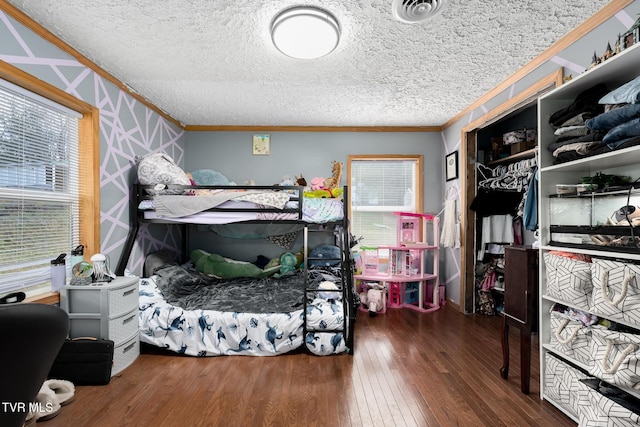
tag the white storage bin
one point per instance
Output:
(561, 383)
(570, 337)
(616, 290)
(568, 279)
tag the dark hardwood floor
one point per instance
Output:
(409, 369)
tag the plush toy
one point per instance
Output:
(336, 175)
(374, 300)
(324, 193)
(217, 266)
(288, 263)
(326, 291)
(287, 181)
(301, 181)
(329, 254)
(317, 183)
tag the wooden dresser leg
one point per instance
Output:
(504, 371)
(525, 360)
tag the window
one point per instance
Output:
(39, 186)
(379, 186)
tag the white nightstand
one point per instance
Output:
(108, 311)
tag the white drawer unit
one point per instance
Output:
(108, 311)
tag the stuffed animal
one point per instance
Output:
(217, 266)
(324, 193)
(324, 256)
(288, 264)
(374, 300)
(336, 175)
(317, 183)
(301, 181)
(287, 181)
(326, 291)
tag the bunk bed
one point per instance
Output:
(192, 310)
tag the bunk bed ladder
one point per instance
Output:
(133, 233)
(342, 240)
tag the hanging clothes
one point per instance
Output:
(530, 215)
(450, 237)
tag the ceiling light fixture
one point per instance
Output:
(414, 11)
(305, 32)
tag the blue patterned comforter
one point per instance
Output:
(191, 315)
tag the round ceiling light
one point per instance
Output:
(305, 32)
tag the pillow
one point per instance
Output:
(159, 168)
(324, 251)
(209, 177)
(628, 93)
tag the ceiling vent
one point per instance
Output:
(414, 11)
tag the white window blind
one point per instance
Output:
(39, 202)
(378, 188)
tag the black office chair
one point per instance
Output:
(31, 336)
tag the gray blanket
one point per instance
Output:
(190, 290)
(172, 206)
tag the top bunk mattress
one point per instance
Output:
(216, 206)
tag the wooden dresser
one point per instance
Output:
(520, 306)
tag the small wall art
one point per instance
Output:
(451, 166)
(261, 144)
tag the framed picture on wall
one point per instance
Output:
(451, 166)
(261, 144)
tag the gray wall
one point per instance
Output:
(310, 154)
(306, 153)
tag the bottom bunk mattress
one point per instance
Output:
(182, 311)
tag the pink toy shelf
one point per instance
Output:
(408, 270)
(416, 229)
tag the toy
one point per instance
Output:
(317, 183)
(373, 298)
(336, 175)
(329, 253)
(327, 291)
(301, 181)
(286, 181)
(217, 266)
(324, 193)
(288, 263)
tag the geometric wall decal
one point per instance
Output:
(128, 128)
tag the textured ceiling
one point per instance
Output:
(211, 62)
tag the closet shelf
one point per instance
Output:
(621, 230)
(514, 157)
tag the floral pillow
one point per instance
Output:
(159, 168)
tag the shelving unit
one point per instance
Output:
(108, 311)
(566, 223)
(410, 279)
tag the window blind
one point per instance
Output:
(379, 188)
(39, 179)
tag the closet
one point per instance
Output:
(499, 203)
(496, 177)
